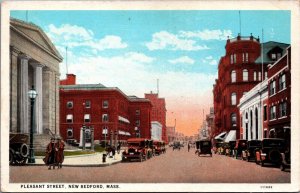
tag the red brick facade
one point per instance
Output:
(237, 74)
(280, 98)
(159, 112)
(106, 108)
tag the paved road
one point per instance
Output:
(174, 166)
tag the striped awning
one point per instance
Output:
(123, 119)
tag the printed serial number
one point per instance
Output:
(268, 187)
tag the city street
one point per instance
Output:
(173, 167)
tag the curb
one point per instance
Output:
(77, 165)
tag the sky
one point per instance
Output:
(132, 49)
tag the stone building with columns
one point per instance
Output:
(34, 61)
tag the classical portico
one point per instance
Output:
(34, 61)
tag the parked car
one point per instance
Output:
(226, 149)
(18, 148)
(137, 149)
(270, 151)
(204, 147)
(218, 148)
(252, 147)
(176, 145)
(158, 147)
(241, 145)
(150, 152)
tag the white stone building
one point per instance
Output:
(34, 61)
(252, 109)
(156, 130)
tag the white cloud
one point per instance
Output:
(207, 34)
(213, 62)
(76, 36)
(208, 57)
(183, 59)
(165, 40)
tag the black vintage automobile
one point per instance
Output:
(204, 147)
(176, 145)
(18, 148)
(270, 151)
(252, 147)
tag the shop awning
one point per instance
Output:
(231, 136)
(121, 132)
(70, 116)
(127, 133)
(123, 119)
(221, 136)
(87, 116)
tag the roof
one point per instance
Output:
(268, 46)
(36, 35)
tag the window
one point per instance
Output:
(273, 56)
(137, 123)
(282, 109)
(273, 112)
(69, 118)
(233, 76)
(70, 133)
(246, 57)
(137, 112)
(233, 120)
(105, 118)
(245, 75)
(70, 104)
(265, 112)
(105, 104)
(87, 118)
(233, 98)
(231, 59)
(282, 82)
(87, 104)
(105, 130)
(278, 55)
(259, 76)
(272, 87)
(243, 57)
(254, 75)
(234, 58)
(266, 75)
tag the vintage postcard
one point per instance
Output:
(116, 96)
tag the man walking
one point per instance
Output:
(60, 152)
(189, 146)
(50, 158)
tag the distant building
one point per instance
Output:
(238, 72)
(158, 112)
(171, 134)
(106, 111)
(156, 130)
(34, 61)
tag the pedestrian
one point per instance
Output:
(50, 158)
(189, 147)
(119, 147)
(113, 151)
(60, 145)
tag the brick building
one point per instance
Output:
(112, 115)
(238, 72)
(158, 112)
(171, 133)
(279, 98)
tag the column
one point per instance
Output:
(254, 123)
(38, 81)
(23, 97)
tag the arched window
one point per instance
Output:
(233, 120)
(254, 75)
(233, 76)
(233, 98)
(259, 76)
(245, 75)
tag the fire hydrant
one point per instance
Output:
(104, 158)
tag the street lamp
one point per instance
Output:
(32, 95)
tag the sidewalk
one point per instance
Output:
(89, 160)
